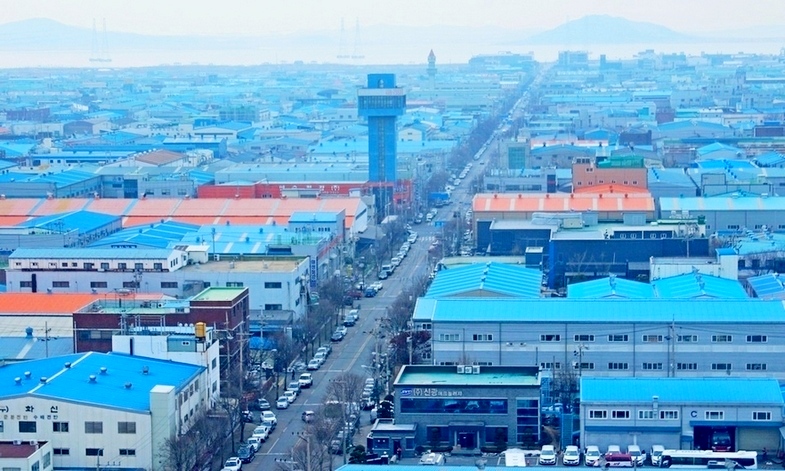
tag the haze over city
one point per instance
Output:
(244, 33)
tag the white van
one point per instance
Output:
(655, 454)
(637, 455)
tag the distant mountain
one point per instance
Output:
(604, 29)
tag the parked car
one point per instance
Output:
(337, 336)
(294, 386)
(261, 433)
(592, 456)
(327, 349)
(370, 292)
(571, 456)
(305, 380)
(246, 454)
(269, 415)
(233, 464)
(547, 455)
(282, 403)
(263, 404)
(254, 442)
(378, 286)
(290, 396)
(637, 454)
(613, 449)
(314, 365)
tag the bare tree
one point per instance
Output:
(183, 452)
(231, 403)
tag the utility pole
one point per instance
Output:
(579, 353)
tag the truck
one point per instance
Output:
(439, 198)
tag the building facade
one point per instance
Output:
(681, 413)
(468, 407)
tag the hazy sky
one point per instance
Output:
(256, 17)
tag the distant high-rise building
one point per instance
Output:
(381, 102)
(432, 73)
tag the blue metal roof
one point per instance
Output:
(486, 279)
(29, 348)
(748, 391)
(612, 311)
(83, 221)
(698, 285)
(610, 287)
(769, 286)
(73, 384)
(741, 203)
(318, 216)
(158, 235)
(97, 253)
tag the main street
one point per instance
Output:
(350, 355)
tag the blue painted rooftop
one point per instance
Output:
(747, 391)
(698, 285)
(24, 348)
(73, 384)
(770, 158)
(716, 147)
(158, 235)
(250, 239)
(612, 311)
(769, 286)
(97, 253)
(741, 203)
(486, 279)
(83, 221)
(610, 287)
(306, 217)
(672, 176)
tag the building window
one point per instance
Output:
(126, 427)
(722, 338)
(618, 366)
(130, 284)
(127, 452)
(98, 284)
(584, 366)
(733, 226)
(122, 266)
(618, 338)
(60, 427)
(273, 307)
(272, 285)
(756, 366)
(36, 466)
(547, 365)
(104, 266)
(761, 415)
(158, 266)
(620, 414)
(669, 415)
(88, 266)
(721, 366)
(94, 451)
(687, 338)
(168, 284)
(584, 338)
(757, 339)
(550, 338)
(647, 414)
(598, 414)
(449, 337)
(27, 426)
(686, 366)
(61, 284)
(715, 415)
(25, 284)
(93, 427)
(138, 266)
(61, 451)
(47, 461)
(234, 284)
(652, 338)
(652, 366)
(482, 337)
